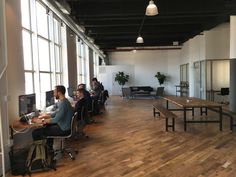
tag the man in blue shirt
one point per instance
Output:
(58, 123)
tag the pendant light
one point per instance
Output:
(151, 9)
(139, 40)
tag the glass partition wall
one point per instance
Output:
(217, 78)
(209, 77)
(184, 73)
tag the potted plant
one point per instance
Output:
(161, 77)
(121, 78)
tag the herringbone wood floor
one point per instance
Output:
(128, 142)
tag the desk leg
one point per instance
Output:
(167, 104)
(185, 121)
(220, 114)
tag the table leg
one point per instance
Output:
(220, 114)
(185, 121)
(154, 112)
(167, 104)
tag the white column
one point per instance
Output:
(232, 63)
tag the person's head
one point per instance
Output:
(80, 92)
(59, 91)
(81, 86)
(94, 81)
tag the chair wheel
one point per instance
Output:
(72, 158)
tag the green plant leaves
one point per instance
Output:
(121, 78)
(161, 77)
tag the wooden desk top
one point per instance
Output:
(187, 102)
(18, 126)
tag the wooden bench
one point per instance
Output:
(229, 114)
(166, 114)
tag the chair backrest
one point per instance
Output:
(72, 128)
(160, 91)
(82, 113)
(224, 91)
(73, 124)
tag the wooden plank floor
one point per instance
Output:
(128, 142)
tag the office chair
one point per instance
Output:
(224, 92)
(81, 123)
(102, 99)
(63, 149)
(159, 92)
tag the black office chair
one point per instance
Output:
(224, 92)
(103, 98)
(81, 123)
(63, 149)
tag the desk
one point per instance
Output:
(21, 127)
(186, 103)
(210, 94)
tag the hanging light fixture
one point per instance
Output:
(139, 40)
(151, 9)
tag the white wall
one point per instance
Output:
(4, 123)
(233, 36)
(212, 44)
(15, 70)
(147, 63)
(218, 42)
(107, 73)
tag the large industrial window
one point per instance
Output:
(41, 36)
(81, 62)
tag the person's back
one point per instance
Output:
(81, 109)
(88, 99)
(86, 95)
(97, 88)
(63, 114)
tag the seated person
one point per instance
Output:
(58, 123)
(81, 103)
(87, 96)
(97, 88)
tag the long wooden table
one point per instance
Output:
(189, 103)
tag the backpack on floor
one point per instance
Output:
(40, 157)
(18, 159)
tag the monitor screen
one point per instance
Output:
(70, 91)
(27, 104)
(50, 98)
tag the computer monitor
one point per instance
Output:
(27, 104)
(49, 98)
